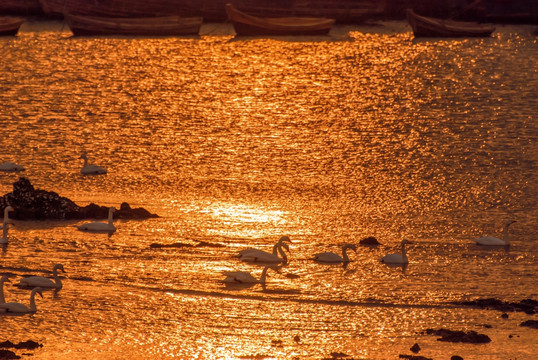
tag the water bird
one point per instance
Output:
(5, 225)
(90, 169)
(255, 255)
(100, 226)
(244, 277)
(3, 279)
(494, 241)
(43, 282)
(15, 307)
(397, 258)
(330, 257)
(9, 166)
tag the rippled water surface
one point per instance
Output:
(238, 141)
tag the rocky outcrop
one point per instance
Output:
(35, 204)
(459, 336)
(528, 306)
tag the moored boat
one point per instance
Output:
(245, 24)
(424, 26)
(143, 26)
(9, 25)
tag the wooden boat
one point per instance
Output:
(153, 26)
(430, 27)
(245, 24)
(9, 25)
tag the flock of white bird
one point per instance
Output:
(279, 256)
(38, 283)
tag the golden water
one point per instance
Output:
(238, 141)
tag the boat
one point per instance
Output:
(9, 25)
(424, 26)
(153, 26)
(245, 24)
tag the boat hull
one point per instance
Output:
(9, 25)
(245, 24)
(153, 26)
(431, 27)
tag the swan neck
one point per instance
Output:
(506, 236)
(32, 301)
(404, 254)
(4, 231)
(344, 254)
(2, 298)
(264, 275)
(282, 252)
(110, 217)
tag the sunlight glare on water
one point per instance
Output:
(235, 142)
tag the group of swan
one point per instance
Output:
(87, 169)
(255, 255)
(37, 284)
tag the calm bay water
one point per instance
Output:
(238, 141)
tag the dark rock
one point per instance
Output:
(8, 354)
(459, 336)
(456, 357)
(34, 204)
(370, 240)
(504, 316)
(530, 323)
(528, 306)
(415, 348)
(29, 345)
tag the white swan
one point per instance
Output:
(244, 277)
(5, 225)
(100, 226)
(90, 169)
(396, 258)
(330, 257)
(11, 167)
(3, 279)
(255, 255)
(15, 307)
(43, 282)
(493, 241)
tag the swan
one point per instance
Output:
(43, 282)
(15, 307)
(100, 226)
(493, 241)
(255, 255)
(90, 169)
(244, 277)
(3, 279)
(396, 258)
(11, 167)
(330, 257)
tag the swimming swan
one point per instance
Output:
(396, 258)
(493, 241)
(43, 282)
(330, 257)
(15, 307)
(244, 277)
(89, 169)
(255, 255)
(11, 167)
(100, 226)
(5, 226)
(3, 279)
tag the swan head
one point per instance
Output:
(9, 208)
(58, 267)
(351, 246)
(4, 279)
(38, 290)
(509, 222)
(405, 241)
(284, 238)
(83, 156)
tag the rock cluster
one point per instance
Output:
(459, 336)
(36, 204)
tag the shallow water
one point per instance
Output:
(238, 141)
